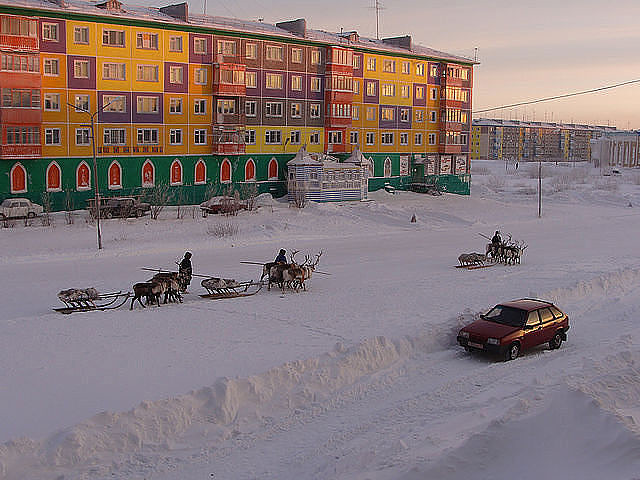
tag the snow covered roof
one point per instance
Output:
(303, 158)
(493, 122)
(153, 14)
(357, 157)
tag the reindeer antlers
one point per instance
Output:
(293, 255)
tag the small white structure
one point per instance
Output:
(620, 149)
(321, 178)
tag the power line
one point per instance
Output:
(599, 89)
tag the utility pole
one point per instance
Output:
(377, 6)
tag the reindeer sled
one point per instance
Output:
(472, 261)
(229, 288)
(89, 299)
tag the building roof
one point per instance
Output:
(492, 122)
(357, 157)
(232, 25)
(303, 158)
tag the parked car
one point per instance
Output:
(222, 204)
(19, 207)
(512, 327)
(121, 207)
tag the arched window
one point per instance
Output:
(250, 171)
(54, 174)
(148, 174)
(18, 179)
(176, 172)
(115, 176)
(371, 167)
(201, 172)
(83, 177)
(387, 167)
(273, 169)
(225, 171)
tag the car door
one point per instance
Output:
(548, 328)
(531, 330)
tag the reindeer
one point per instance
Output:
(151, 290)
(307, 270)
(276, 271)
(171, 281)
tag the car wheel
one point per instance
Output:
(108, 215)
(512, 352)
(137, 213)
(31, 215)
(2, 217)
(556, 341)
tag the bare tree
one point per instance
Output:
(298, 194)
(46, 208)
(158, 197)
(68, 205)
(249, 194)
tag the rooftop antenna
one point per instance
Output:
(204, 8)
(475, 54)
(377, 6)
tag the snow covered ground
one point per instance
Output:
(359, 377)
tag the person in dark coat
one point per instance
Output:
(497, 239)
(186, 270)
(281, 258)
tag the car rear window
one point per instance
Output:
(556, 312)
(545, 315)
(513, 317)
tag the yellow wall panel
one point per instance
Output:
(79, 47)
(53, 80)
(176, 118)
(176, 56)
(114, 85)
(206, 118)
(114, 51)
(59, 150)
(140, 71)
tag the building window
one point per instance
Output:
(314, 110)
(371, 64)
(434, 94)
(433, 116)
(175, 105)
(433, 70)
(18, 176)
(251, 51)
(314, 138)
(200, 137)
(250, 171)
(148, 174)
(200, 76)
(52, 102)
(387, 113)
(113, 38)
(226, 47)
(296, 110)
(200, 173)
(81, 35)
(353, 138)
(404, 138)
(226, 106)
(51, 66)
(225, 171)
(113, 71)
(52, 136)
(371, 89)
(417, 140)
(81, 68)
(315, 84)
(114, 103)
(406, 68)
(335, 137)
(273, 169)
(175, 173)
(175, 44)
(148, 105)
(355, 112)
(250, 108)
(296, 55)
(274, 53)
(200, 46)
(250, 137)
(316, 57)
(273, 137)
(371, 113)
(113, 136)
(389, 66)
(420, 69)
(296, 83)
(176, 74)
(115, 176)
(356, 86)
(200, 106)
(273, 109)
(53, 175)
(83, 136)
(274, 80)
(419, 93)
(388, 90)
(405, 91)
(50, 32)
(147, 136)
(83, 177)
(294, 137)
(147, 41)
(387, 138)
(432, 139)
(147, 73)
(387, 167)
(251, 79)
(175, 136)
(404, 114)
(419, 116)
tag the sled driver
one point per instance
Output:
(496, 240)
(185, 270)
(281, 258)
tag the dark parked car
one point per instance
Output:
(121, 207)
(222, 204)
(511, 327)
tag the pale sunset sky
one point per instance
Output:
(527, 50)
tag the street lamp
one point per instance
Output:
(95, 162)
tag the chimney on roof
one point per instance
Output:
(60, 3)
(402, 42)
(297, 27)
(114, 5)
(351, 36)
(179, 11)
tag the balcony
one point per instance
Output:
(20, 116)
(229, 80)
(228, 141)
(341, 122)
(15, 42)
(20, 151)
(450, 149)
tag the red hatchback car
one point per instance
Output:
(511, 327)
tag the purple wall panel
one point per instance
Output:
(147, 117)
(359, 72)
(52, 46)
(256, 92)
(408, 122)
(274, 92)
(296, 93)
(433, 79)
(176, 87)
(84, 83)
(205, 58)
(115, 117)
(388, 123)
(420, 102)
(311, 95)
(374, 98)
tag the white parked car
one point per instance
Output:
(19, 207)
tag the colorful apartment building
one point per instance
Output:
(203, 102)
(519, 141)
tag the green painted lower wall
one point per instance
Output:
(188, 193)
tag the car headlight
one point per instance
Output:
(493, 341)
(464, 334)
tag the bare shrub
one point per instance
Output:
(249, 193)
(46, 211)
(479, 170)
(158, 197)
(298, 194)
(634, 179)
(180, 211)
(531, 170)
(223, 229)
(230, 203)
(496, 183)
(69, 217)
(607, 184)
(8, 222)
(561, 183)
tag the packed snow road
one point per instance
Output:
(357, 378)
